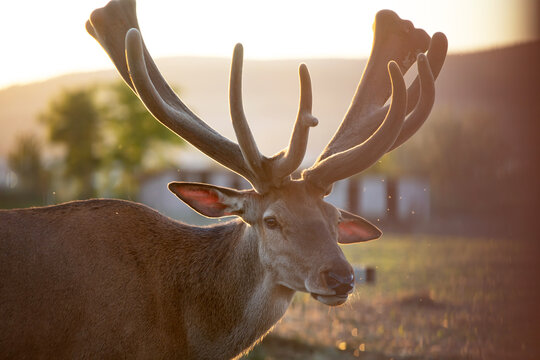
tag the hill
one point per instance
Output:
(501, 83)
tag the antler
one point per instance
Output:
(349, 162)
(368, 130)
(366, 120)
(290, 159)
(110, 26)
(277, 168)
(116, 28)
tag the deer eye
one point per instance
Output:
(271, 222)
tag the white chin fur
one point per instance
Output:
(331, 300)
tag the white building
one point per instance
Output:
(370, 199)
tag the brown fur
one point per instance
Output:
(162, 289)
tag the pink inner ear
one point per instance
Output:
(207, 199)
(349, 228)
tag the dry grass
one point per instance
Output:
(435, 298)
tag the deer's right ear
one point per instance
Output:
(209, 200)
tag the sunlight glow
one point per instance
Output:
(47, 38)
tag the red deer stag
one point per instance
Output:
(111, 278)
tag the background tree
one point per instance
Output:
(73, 121)
(135, 141)
(26, 161)
(471, 162)
(109, 140)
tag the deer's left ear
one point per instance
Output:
(209, 200)
(353, 229)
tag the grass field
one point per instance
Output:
(434, 298)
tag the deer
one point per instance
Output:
(106, 278)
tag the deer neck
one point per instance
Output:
(238, 301)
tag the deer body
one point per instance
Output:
(147, 294)
(111, 278)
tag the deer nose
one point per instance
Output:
(342, 282)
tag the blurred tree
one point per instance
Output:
(109, 140)
(134, 142)
(73, 121)
(26, 161)
(472, 165)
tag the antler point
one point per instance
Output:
(421, 57)
(238, 47)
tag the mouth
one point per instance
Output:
(331, 300)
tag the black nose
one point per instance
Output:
(342, 283)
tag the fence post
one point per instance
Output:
(391, 200)
(353, 195)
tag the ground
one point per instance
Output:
(434, 298)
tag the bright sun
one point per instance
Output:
(46, 38)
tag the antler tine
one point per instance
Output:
(108, 25)
(349, 162)
(427, 97)
(281, 165)
(247, 143)
(290, 159)
(421, 93)
(436, 56)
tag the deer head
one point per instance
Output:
(296, 231)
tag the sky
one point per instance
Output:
(45, 38)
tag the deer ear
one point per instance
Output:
(352, 229)
(209, 200)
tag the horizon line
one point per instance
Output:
(454, 52)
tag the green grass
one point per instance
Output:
(453, 269)
(434, 297)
